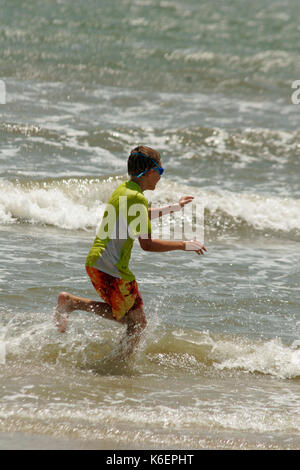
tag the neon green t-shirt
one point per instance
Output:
(125, 218)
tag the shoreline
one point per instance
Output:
(213, 442)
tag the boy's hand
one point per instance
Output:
(194, 245)
(185, 200)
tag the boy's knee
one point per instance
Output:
(137, 319)
(143, 323)
(63, 297)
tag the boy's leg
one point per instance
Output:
(67, 303)
(135, 319)
(117, 293)
(136, 323)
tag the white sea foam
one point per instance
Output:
(63, 204)
(266, 357)
(261, 212)
(2, 352)
(265, 61)
(165, 349)
(79, 203)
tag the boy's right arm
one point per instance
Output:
(153, 244)
(160, 211)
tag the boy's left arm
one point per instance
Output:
(160, 211)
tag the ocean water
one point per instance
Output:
(209, 85)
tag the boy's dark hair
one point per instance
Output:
(138, 161)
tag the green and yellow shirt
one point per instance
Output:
(125, 218)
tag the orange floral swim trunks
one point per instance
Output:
(121, 295)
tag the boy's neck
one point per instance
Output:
(138, 182)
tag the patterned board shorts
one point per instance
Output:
(121, 295)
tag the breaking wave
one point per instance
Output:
(78, 204)
(165, 350)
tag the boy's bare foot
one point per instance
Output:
(63, 310)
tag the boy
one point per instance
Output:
(108, 259)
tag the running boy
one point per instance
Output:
(108, 259)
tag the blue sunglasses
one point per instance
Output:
(159, 169)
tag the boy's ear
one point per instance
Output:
(147, 174)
